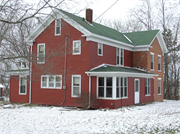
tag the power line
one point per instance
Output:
(106, 10)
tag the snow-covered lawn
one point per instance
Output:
(157, 117)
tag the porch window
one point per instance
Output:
(58, 27)
(147, 86)
(152, 61)
(22, 86)
(41, 53)
(76, 47)
(159, 62)
(100, 49)
(51, 81)
(159, 86)
(119, 56)
(105, 89)
(121, 87)
(76, 86)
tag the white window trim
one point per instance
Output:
(56, 26)
(159, 56)
(20, 77)
(38, 53)
(153, 61)
(101, 49)
(120, 57)
(159, 79)
(147, 87)
(113, 88)
(72, 86)
(79, 47)
(48, 82)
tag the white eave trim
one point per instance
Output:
(162, 43)
(123, 74)
(19, 73)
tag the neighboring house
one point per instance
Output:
(76, 55)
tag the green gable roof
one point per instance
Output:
(98, 28)
(111, 68)
(142, 37)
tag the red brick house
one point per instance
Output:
(72, 55)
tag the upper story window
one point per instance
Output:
(57, 27)
(159, 62)
(22, 86)
(152, 61)
(100, 49)
(147, 86)
(76, 47)
(76, 86)
(41, 53)
(119, 56)
(22, 65)
(51, 81)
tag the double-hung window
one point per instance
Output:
(105, 89)
(147, 86)
(159, 62)
(76, 47)
(121, 87)
(76, 86)
(41, 53)
(51, 81)
(58, 27)
(152, 61)
(159, 86)
(100, 49)
(22, 86)
(119, 56)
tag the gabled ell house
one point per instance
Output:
(73, 55)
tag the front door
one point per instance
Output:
(136, 91)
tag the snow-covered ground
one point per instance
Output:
(157, 117)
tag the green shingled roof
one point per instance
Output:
(142, 37)
(98, 28)
(18, 70)
(110, 68)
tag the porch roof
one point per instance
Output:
(113, 70)
(19, 72)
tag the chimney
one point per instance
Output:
(89, 15)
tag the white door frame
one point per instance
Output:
(136, 92)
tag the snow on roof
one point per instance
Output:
(1, 86)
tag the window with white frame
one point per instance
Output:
(152, 61)
(105, 89)
(76, 86)
(58, 27)
(121, 87)
(147, 86)
(159, 86)
(159, 62)
(119, 56)
(51, 81)
(22, 86)
(41, 53)
(100, 49)
(76, 47)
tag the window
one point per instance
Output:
(159, 86)
(105, 87)
(119, 56)
(159, 62)
(152, 61)
(51, 81)
(121, 87)
(41, 53)
(22, 86)
(100, 49)
(76, 47)
(58, 27)
(76, 86)
(147, 86)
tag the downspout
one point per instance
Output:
(65, 60)
(89, 91)
(30, 76)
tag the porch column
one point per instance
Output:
(114, 87)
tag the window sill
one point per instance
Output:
(50, 88)
(159, 94)
(40, 62)
(57, 34)
(159, 70)
(152, 70)
(75, 96)
(148, 95)
(112, 98)
(22, 93)
(100, 55)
